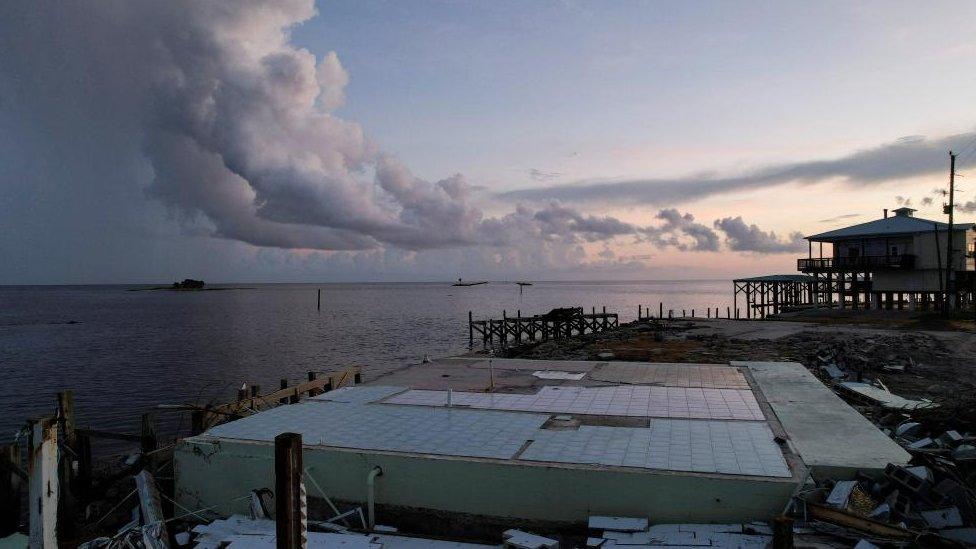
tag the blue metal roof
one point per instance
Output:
(889, 226)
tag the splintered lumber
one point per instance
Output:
(152, 511)
(210, 417)
(44, 487)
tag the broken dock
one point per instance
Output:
(556, 324)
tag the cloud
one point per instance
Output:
(967, 207)
(682, 232)
(927, 200)
(904, 158)
(903, 201)
(750, 238)
(539, 175)
(839, 218)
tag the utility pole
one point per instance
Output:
(949, 210)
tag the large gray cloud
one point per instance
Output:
(682, 232)
(208, 109)
(743, 237)
(906, 157)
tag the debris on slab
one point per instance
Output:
(556, 374)
(518, 539)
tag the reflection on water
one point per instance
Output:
(124, 351)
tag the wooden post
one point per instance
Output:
(290, 521)
(147, 434)
(255, 390)
(66, 420)
(84, 454)
(638, 311)
(242, 392)
(45, 490)
(284, 385)
(660, 310)
(197, 422)
(782, 533)
(10, 483)
(358, 377)
(728, 312)
(319, 303)
(311, 377)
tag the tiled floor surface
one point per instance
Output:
(672, 375)
(639, 401)
(732, 447)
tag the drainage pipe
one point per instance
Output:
(370, 497)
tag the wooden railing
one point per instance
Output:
(865, 262)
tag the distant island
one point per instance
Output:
(188, 284)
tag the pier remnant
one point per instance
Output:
(770, 294)
(556, 324)
(45, 490)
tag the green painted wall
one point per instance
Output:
(212, 473)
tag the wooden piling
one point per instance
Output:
(66, 471)
(660, 310)
(289, 526)
(470, 329)
(639, 315)
(44, 488)
(284, 385)
(782, 532)
(255, 390)
(147, 434)
(10, 489)
(318, 305)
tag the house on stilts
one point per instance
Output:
(896, 262)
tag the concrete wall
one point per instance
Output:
(213, 474)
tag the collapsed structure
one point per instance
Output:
(549, 448)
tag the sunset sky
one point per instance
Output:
(406, 140)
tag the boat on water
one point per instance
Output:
(463, 283)
(524, 283)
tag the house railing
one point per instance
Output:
(866, 262)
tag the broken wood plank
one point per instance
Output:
(841, 518)
(44, 488)
(152, 511)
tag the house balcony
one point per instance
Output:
(861, 263)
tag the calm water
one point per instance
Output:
(123, 352)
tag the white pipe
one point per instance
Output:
(370, 499)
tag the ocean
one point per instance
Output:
(124, 351)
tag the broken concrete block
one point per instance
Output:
(595, 542)
(525, 540)
(950, 438)
(841, 493)
(881, 512)
(964, 452)
(921, 472)
(908, 429)
(921, 443)
(833, 371)
(943, 518)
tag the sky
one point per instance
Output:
(294, 141)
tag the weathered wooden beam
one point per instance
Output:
(44, 488)
(152, 512)
(289, 526)
(98, 433)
